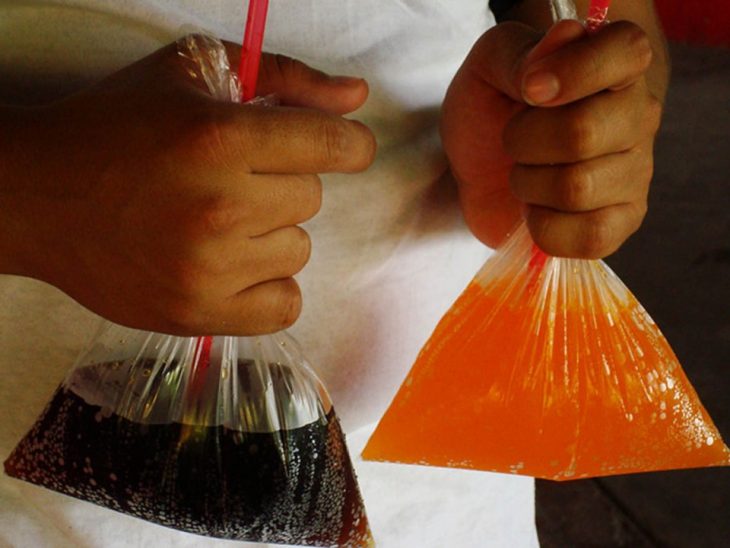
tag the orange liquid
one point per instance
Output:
(553, 391)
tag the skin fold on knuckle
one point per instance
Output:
(575, 189)
(288, 253)
(205, 137)
(580, 134)
(540, 222)
(639, 210)
(304, 193)
(309, 195)
(333, 143)
(282, 70)
(598, 237)
(287, 305)
(345, 145)
(216, 215)
(639, 171)
(628, 48)
(300, 250)
(653, 115)
(638, 51)
(362, 146)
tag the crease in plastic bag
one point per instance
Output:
(547, 367)
(231, 437)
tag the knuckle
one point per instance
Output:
(540, 229)
(597, 239)
(576, 189)
(580, 134)
(301, 248)
(217, 215)
(211, 136)
(287, 68)
(640, 46)
(640, 209)
(368, 147)
(289, 304)
(203, 131)
(312, 194)
(654, 109)
(333, 141)
(643, 171)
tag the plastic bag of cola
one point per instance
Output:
(231, 437)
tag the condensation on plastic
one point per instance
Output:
(547, 367)
(231, 437)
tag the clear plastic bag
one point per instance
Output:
(547, 367)
(231, 437)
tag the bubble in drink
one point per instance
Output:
(293, 486)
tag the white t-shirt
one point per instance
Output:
(390, 253)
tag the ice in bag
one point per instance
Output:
(231, 437)
(547, 367)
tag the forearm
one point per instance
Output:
(536, 13)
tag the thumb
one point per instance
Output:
(539, 87)
(503, 54)
(299, 85)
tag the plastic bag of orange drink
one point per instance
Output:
(547, 367)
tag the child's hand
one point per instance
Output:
(160, 208)
(561, 127)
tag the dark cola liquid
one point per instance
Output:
(290, 487)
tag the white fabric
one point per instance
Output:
(390, 252)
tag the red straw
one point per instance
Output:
(248, 73)
(253, 39)
(597, 12)
(201, 362)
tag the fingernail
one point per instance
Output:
(540, 87)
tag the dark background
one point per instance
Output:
(678, 266)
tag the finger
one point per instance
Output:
(287, 140)
(297, 84)
(496, 58)
(275, 201)
(584, 186)
(235, 264)
(590, 235)
(609, 122)
(263, 308)
(281, 253)
(239, 209)
(616, 56)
